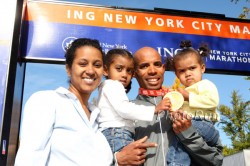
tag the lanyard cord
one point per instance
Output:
(162, 139)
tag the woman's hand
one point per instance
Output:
(134, 153)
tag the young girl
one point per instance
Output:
(201, 99)
(117, 116)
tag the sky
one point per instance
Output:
(226, 7)
(51, 76)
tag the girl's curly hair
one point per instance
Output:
(204, 49)
(185, 44)
(187, 49)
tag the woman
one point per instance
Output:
(59, 127)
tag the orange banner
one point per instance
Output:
(136, 20)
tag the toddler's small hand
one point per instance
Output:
(184, 93)
(164, 105)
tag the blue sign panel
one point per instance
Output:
(50, 31)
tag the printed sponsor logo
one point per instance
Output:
(67, 42)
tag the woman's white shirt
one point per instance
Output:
(56, 131)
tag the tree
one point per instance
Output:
(245, 10)
(228, 151)
(177, 84)
(236, 1)
(235, 123)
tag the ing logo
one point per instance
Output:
(67, 42)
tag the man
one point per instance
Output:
(149, 72)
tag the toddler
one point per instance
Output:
(200, 99)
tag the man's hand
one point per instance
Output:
(181, 121)
(134, 153)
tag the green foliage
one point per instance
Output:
(177, 84)
(236, 1)
(228, 151)
(245, 13)
(245, 10)
(235, 123)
